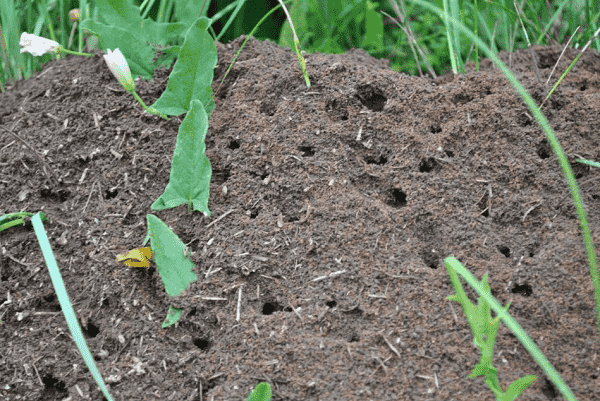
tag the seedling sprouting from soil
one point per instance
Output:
(484, 330)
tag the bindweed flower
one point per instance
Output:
(120, 69)
(37, 45)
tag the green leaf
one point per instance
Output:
(483, 369)
(173, 316)
(262, 392)
(137, 52)
(174, 268)
(121, 26)
(374, 27)
(517, 387)
(123, 15)
(192, 73)
(190, 170)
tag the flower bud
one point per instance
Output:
(74, 15)
(120, 69)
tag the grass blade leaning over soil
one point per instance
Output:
(554, 143)
(589, 162)
(17, 219)
(65, 304)
(484, 333)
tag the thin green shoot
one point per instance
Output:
(560, 57)
(556, 148)
(246, 40)
(297, 46)
(455, 34)
(238, 6)
(476, 27)
(485, 329)
(569, 68)
(450, 31)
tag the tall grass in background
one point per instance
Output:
(407, 33)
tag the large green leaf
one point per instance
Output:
(190, 169)
(192, 73)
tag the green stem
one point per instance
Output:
(67, 51)
(148, 109)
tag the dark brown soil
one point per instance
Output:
(333, 208)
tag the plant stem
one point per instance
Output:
(63, 50)
(148, 109)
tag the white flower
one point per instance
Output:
(37, 45)
(120, 69)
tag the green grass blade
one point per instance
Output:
(65, 304)
(238, 7)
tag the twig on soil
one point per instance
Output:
(237, 316)
(43, 164)
(213, 222)
(215, 376)
(212, 298)
(530, 209)
(10, 144)
(330, 275)
(297, 314)
(37, 374)
(83, 175)
(15, 259)
(391, 346)
(382, 365)
(89, 197)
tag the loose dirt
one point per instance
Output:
(332, 209)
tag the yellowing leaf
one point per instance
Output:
(136, 257)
